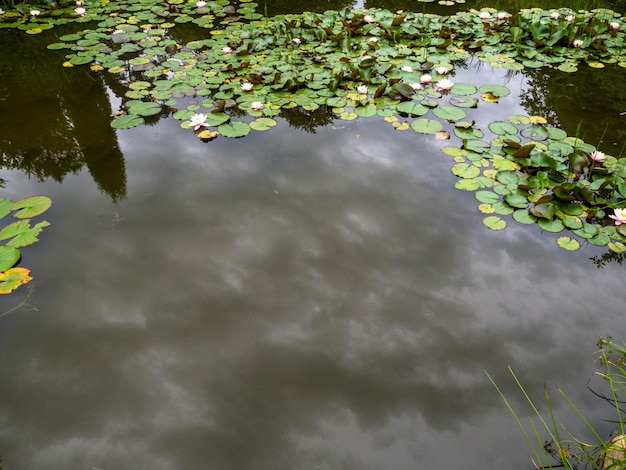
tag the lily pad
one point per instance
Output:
(127, 121)
(494, 222)
(31, 206)
(234, 130)
(13, 278)
(449, 113)
(8, 257)
(568, 243)
(262, 124)
(426, 126)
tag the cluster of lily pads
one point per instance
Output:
(243, 69)
(19, 234)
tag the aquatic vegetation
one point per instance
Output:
(19, 234)
(398, 66)
(570, 452)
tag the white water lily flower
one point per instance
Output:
(35, 13)
(256, 105)
(554, 15)
(1, 11)
(597, 156)
(484, 15)
(362, 89)
(119, 31)
(503, 15)
(200, 4)
(441, 70)
(80, 11)
(425, 79)
(577, 42)
(368, 19)
(246, 86)
(80, 3)
(445, 84)
(406, 68)
(198, 120)
(297, 40)
(373, 39)
(416, 86)
(227, 50)
(619, 217)
(614, 25)
(569, 18)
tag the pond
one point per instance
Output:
(315, 296)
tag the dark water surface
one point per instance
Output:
(289, 300)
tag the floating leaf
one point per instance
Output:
(5, 207)
(31, 206)
(553, 226)
(494, 222)
(13, 278)
(127, 122)
(523, 217)
(502, 128)
(464, 101)
(426, 126)
(465, 170)
(535, 132)
(234, 130)
(449, 113)
(262, 124)
(496, 90)
(8, 257)
(568, 243)
(411, 108)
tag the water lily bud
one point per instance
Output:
(577, 42)
(503, 15)
(368, 19)
(569, 18)
(484, 15)
(614, 25)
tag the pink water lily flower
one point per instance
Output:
(597, 156)
(256, 105)
(614, 25)
(80, 11)
(416, 86)
(554, 15)
(368, 19)
(246, 86)
(198, 120)
(441, 70)
(503, 15)
(619, 216)
(425, 79)
(484, 15)
(569, 18)
(227, 50)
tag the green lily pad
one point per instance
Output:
(426, 126)
(143, 108)
(262, 124)
(487, 197)
(21, 233)
(464, 101)
(536, 132)
(127, 121)
(449, 113)
(31, 206)
(496, 90)
(465, 170)
(524, 217)
(5, 207)
(554, 226)
(234, 130)
(8, 257)
(411, 108)
(502, 128)
(494, 222)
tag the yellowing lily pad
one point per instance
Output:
(568, 243)
(494, 222)
(13, 278)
